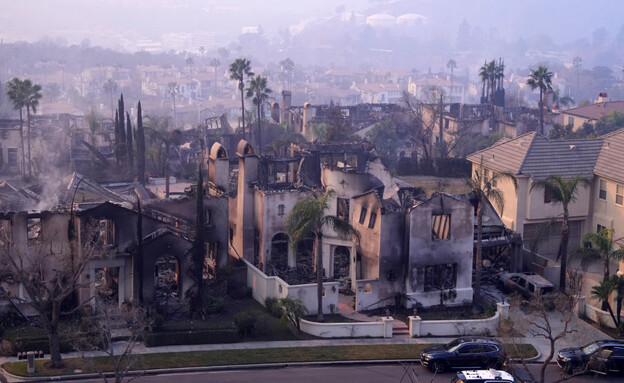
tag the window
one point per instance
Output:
(531, 287)
(34, 230)
(210, 260)
(208, 217)
(441, 227)
(232, 234)
(106, 233)
(362, 215)
(603, 190)
(547, 196)
(342, 209)
(619, 195)
(570, 120)
(440, 277)
(599, 227)
(12, 157)
(392, 276)
(280, 210)
(371, 221)
(522, 282)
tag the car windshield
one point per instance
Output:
(591, 348)
(453, 345)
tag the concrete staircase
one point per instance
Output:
(400, 329)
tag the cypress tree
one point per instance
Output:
(122, 132)
(117, 138)
(129, 149)
(140, 143)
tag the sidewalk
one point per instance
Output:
(585, 334)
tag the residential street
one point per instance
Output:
(392, 373)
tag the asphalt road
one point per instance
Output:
(390, 373)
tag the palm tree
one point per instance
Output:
(601, 250)
(307, 218)
(238, 70)
(16, 93)
(159, 131)
(562, 191)
(451, 64)
(259, 93)
(602, 292)
(484, 75)
(540, 78)
(485, 188)
(215, 63)
(31, 102)
(287, 66)
(173, 89)
(110, 86)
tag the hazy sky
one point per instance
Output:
(103, 21)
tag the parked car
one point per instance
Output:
(464, 353)
(602, 356)
(483, 376)
(529, 285)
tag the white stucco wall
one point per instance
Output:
(263, 286)
(488, 326)
(348, 330)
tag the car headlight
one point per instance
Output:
(563, 358)
(424, 357)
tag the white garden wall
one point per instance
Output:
(421, 328)
(263, 287)
(380, 329)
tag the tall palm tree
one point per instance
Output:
(307, 218)
(215, 63)
(173, 89)
(485, 188)
(31, 102)
(259, 93)
(484, 75)
(159, 132)
(16, 93)
(562, 191)
(601, 250)
(540, 78)
(238, 70)
(451, 64)
(110, 86)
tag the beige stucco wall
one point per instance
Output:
(606, 212)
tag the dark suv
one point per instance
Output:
(602, 356)
(464, 353)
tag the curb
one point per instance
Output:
(261, 366)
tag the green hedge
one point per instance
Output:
(191, 337)
(31, 339)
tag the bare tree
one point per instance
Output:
(550, 318)
(49, 277)
(98, 335)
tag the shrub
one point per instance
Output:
(31, 339)
(273, 306)
(213, 304)
(245, 322)
(293, 310)
(157, 321)
(191, 337)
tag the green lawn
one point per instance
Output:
(252, 356)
